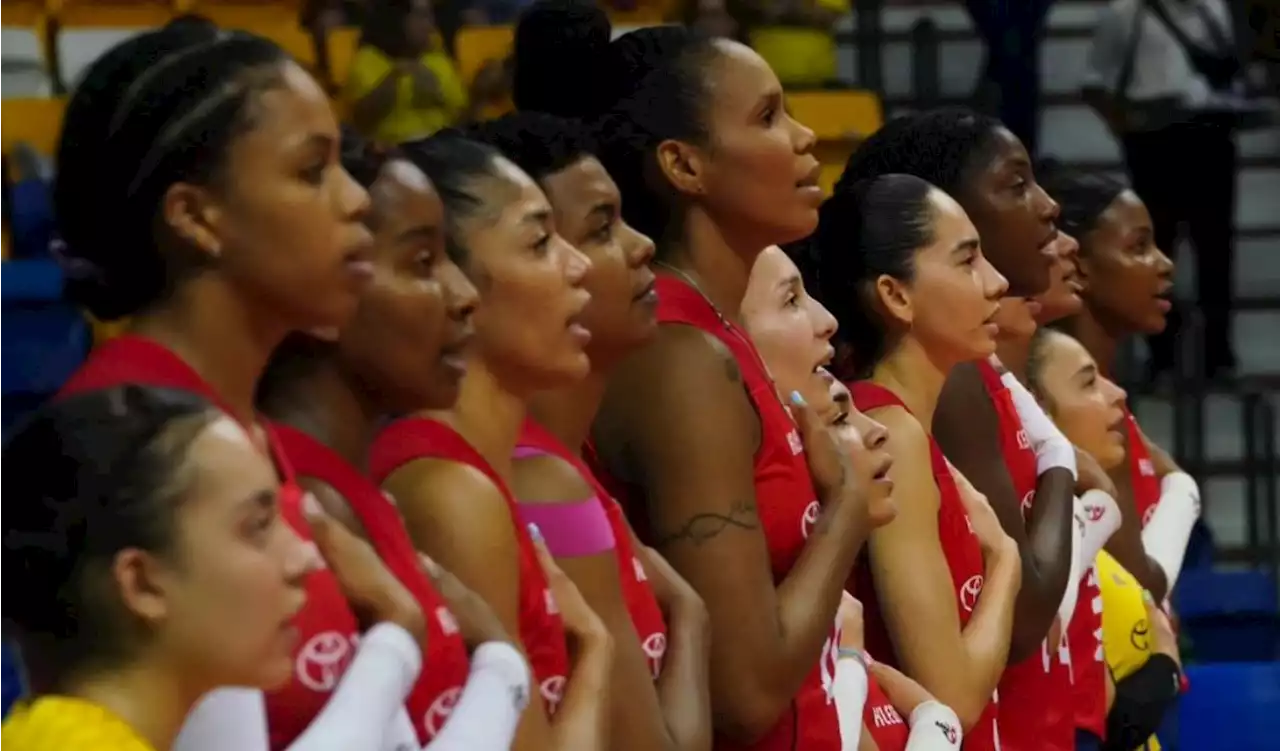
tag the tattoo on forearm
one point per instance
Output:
(701, 528)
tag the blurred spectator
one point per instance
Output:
(402, 84)
(492, 12)
(796, 37)
(1013, 31)
(1167, 77)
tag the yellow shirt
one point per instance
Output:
(408, 119)
(800, 56)
(1126, 635)
(60, 723)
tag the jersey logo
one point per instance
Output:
(793, 440)
(323, 659)
(1094, 512)
(948, 730)
(809, 519)
(1027, 500)
(549, 602)
(970, 591)
(1146, 468)
(827, 663)
(552, 690)
(1024, 443)
(439, 711)
(655, 648)
(448, 624)
(885, 715)
(1140, 636)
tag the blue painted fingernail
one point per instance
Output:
(796, 399)
(535, 533)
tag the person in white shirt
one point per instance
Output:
(1167, 77)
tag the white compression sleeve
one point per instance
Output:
(1101, 518)
(1051, 446)
(487, 713)
(934, 727)
(850, 690)
(357, 715)
(1166, 536)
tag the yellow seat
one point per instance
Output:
(477, 45)
(35, 121)
(111, 14)
(342, 45)
(838, 115)
(23, 14)
(262, 17)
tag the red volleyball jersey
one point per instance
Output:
(541, 629)
(787, 505)
(327, 629)
(964, 559)
(445, 664)
(642, 605)
(1142, 471)
(1036, 711)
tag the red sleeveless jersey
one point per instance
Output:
(541, 629)
(788, 509)
(445, 664)
(1142, 471)
(327, 629)
(964, 559)
(646, 616)
(1035, 694)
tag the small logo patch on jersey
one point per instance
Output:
(970, 591)
(793, 440)
(448, 624)
(1146, 468)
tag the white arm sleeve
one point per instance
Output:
(1051, 446)
(1166, 536)
(358, 714)
(934, 727)
(1101, 517)
(488, 712)
(850, 690)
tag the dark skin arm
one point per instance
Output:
(639, 722)
(677, 421)
(967, 428)
(457, 516)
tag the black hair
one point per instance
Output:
(867, 229)
(645, 87)
(103, 472)
(1083, 197)
(157, 109)
(191, 21)
(383, 28)
(945, 147)
(538, 143)
(457, 166)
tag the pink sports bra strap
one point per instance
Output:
(571, 530)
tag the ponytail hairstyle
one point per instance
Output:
(458, 167)
(1083, 196)
(644, 88)
(105, 471)
(867, 229)
(161, 108)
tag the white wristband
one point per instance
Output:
(1052, 448)
(934, 727)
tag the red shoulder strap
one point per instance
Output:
(867, 396)
(990, 377)
(420, 438)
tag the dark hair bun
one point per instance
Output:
(560, 50)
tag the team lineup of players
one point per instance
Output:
(596, 426)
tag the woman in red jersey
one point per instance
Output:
(1098, 517)
(450, 471)
(1127, 282)
(233, 224)
(1090, 409)
(900, 265)
(155, 566)
(327, 399)
(660, 696)
(1030, 480)
(793, 333)
(708, 464)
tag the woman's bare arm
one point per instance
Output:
(913, 583)
(967, 428)
(637, 721)
(677, 421)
